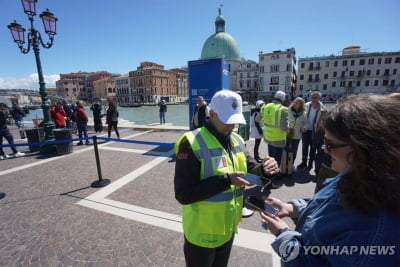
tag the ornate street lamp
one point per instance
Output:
(35, 40)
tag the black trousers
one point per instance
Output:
(256, 148)
(309, 148)
(5, 132)
(113, 124)
(196, 256)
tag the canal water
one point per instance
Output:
(178, 115)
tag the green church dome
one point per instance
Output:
(220, 44)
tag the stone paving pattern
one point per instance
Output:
(41, 225)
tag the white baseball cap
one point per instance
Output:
(228, 106)
(280, 95)
(259, 102)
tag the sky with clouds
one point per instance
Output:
(117, 35)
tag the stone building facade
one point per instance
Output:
(79, 85)
(151, 83)
(353, 72)
(277, 72)
(247, 80)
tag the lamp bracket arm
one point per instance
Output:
(45, 45)
(26, 50)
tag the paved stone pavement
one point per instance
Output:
(51, 216)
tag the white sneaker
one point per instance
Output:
(5, 157)
(247, 212)
(19, 154)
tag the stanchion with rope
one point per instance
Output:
(101, 182)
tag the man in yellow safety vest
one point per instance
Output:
(275, 118)
(210, 164)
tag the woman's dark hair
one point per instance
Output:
(112, 105)
(371, 125)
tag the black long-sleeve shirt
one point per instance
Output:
(3, 120)
(188, 186)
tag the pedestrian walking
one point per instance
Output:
(6, 134)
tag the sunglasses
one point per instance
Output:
(329, 146)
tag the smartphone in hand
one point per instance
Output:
(261, 205)
(254, 179)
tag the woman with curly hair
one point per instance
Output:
(354, 219)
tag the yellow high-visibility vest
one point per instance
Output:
(210, 223)
(272, 116)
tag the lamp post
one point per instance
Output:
(35, 40)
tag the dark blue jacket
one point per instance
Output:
(327, 234)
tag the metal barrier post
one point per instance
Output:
(101, 182)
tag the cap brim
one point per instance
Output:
(237, 118)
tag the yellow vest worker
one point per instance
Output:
(275, 118)
(224, 210)
(272, 117)
(210, 164)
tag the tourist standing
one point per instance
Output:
(58, 115)
(98, 124)
(323, 160)
(357, 213)
(256, 131)
(201, 113)
(81, 122)
(162, 111)
(112, 118)
(297, 125)
(313, 111)
(17, 115)
(68, 110)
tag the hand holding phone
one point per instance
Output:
(261, 205)
(254, 179)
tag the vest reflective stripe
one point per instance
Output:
(276, 121)
(272, 129)
(208, 166)
(242, 145)
(210, 223)
(204, 152)
(225, 196)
